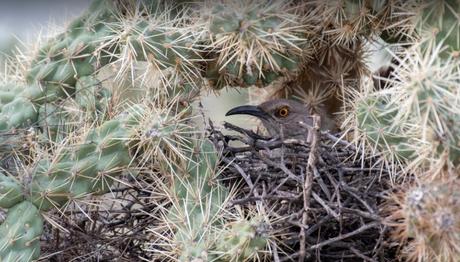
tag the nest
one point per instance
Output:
(112, 227)
(322, 197)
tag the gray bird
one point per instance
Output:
(282, 117)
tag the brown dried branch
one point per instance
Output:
(313, 138)
(321, 195)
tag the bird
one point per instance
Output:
(285, 118)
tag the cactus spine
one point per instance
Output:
(428, 214)
(56, 68)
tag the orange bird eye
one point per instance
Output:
(283, 111)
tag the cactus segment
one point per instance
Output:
(10, 191)
(21, 231)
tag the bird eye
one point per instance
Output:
(283, 111)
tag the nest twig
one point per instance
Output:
(321, 195)
(115, 228)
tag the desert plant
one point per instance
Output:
(425, 216)
(414, 120)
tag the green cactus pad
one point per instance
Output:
(442, 21)
(10, 191)
(20, 233)
(90, 95)
(240, 241)
(376, 121)
(254, 43)
(84, 170)
(197, 216)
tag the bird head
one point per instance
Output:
(279, 117)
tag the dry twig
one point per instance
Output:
(322, 199)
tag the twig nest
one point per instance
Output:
(343, 220)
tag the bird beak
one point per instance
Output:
(248, 110)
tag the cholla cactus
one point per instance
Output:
(415, 121)
(253, 42)
(85, 131)
(90, 166)
(165, 43)
(197, 223)
(242, 240)
(426, 217)
(430, 102)
(10, 191)
(440, 22)
(21, 233)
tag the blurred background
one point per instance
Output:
(22, 22)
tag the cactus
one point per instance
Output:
(18, 104)
(161, 40)
(196, 204)
(254, 42)
(241, 241)
(418, 113)
(440, 22)
(90, 104)
(197, 216)
(56, 68)
(413, 121)
(427, 217)
(10, 191)
(21, 231)
(90, 166)
(421, 104)
(430, 99)
(91, 97)
(340, 33)
(375, 120)
(63, 72)
(64, 69)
